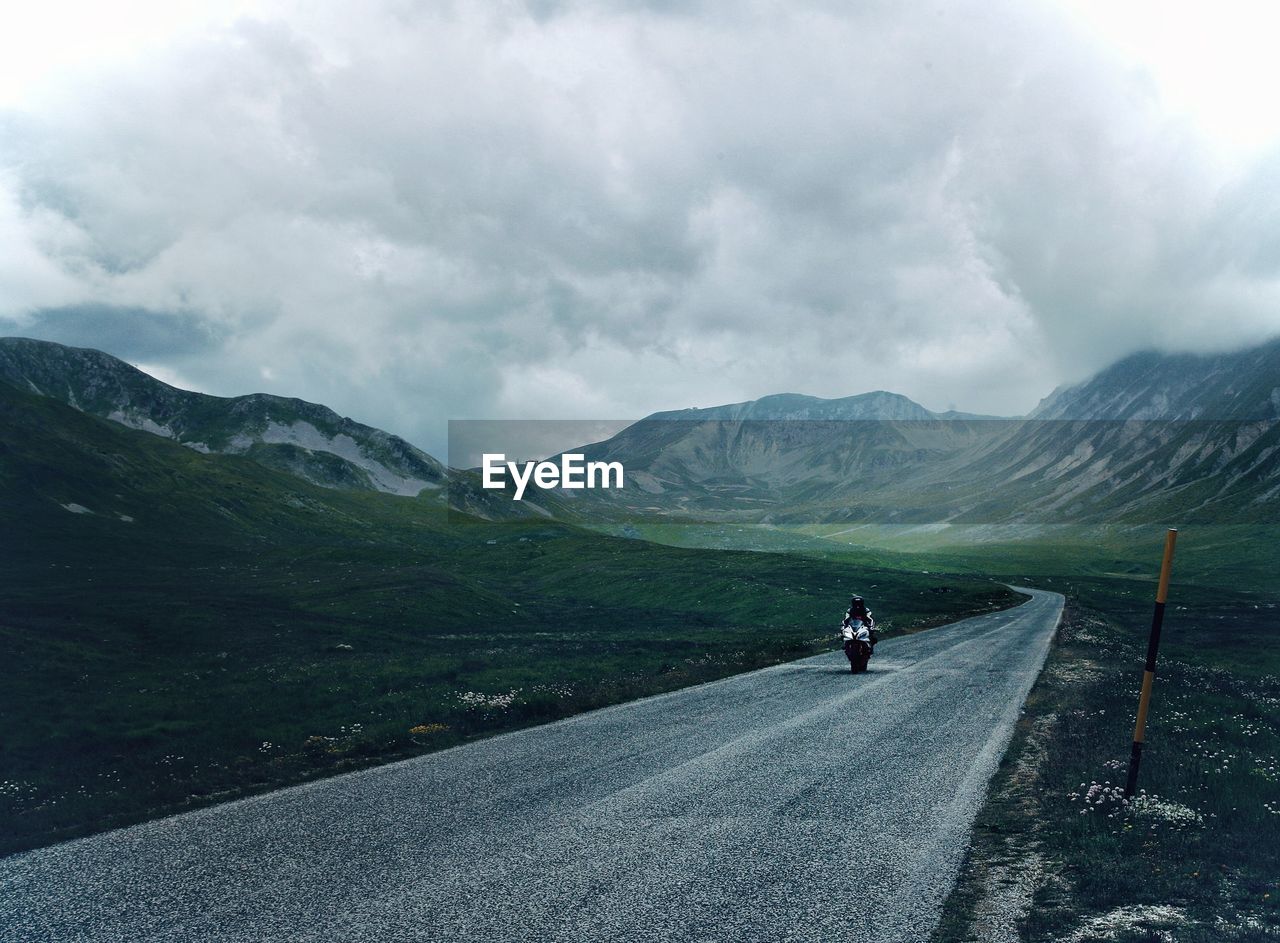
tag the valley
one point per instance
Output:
(190, 625)
(208, 627)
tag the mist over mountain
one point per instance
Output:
(1242, 385)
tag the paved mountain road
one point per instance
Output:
(752, 808)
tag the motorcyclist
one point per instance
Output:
(859, 613)
(858, 632)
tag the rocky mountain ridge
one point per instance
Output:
(306, 439)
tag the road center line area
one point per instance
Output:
(799, 802)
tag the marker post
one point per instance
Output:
(1149, 674)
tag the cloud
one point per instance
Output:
(421, 212)
(128, 333)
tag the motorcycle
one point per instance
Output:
(857, 646)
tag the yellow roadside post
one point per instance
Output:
(1149, 675)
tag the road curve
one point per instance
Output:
(794, 803)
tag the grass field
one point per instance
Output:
(1236, 556)
(1057, 855)
(153, 672)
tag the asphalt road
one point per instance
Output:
(795, 803)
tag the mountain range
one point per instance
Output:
(1153, 436)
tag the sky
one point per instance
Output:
(415, 212)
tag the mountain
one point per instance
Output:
(772, 458)
(1243, 385)
(796, 406)
(1174, 436)
(1167, 437)
(292, 435)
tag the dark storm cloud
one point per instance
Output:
(561, 209)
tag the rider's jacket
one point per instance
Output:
(865, 618)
